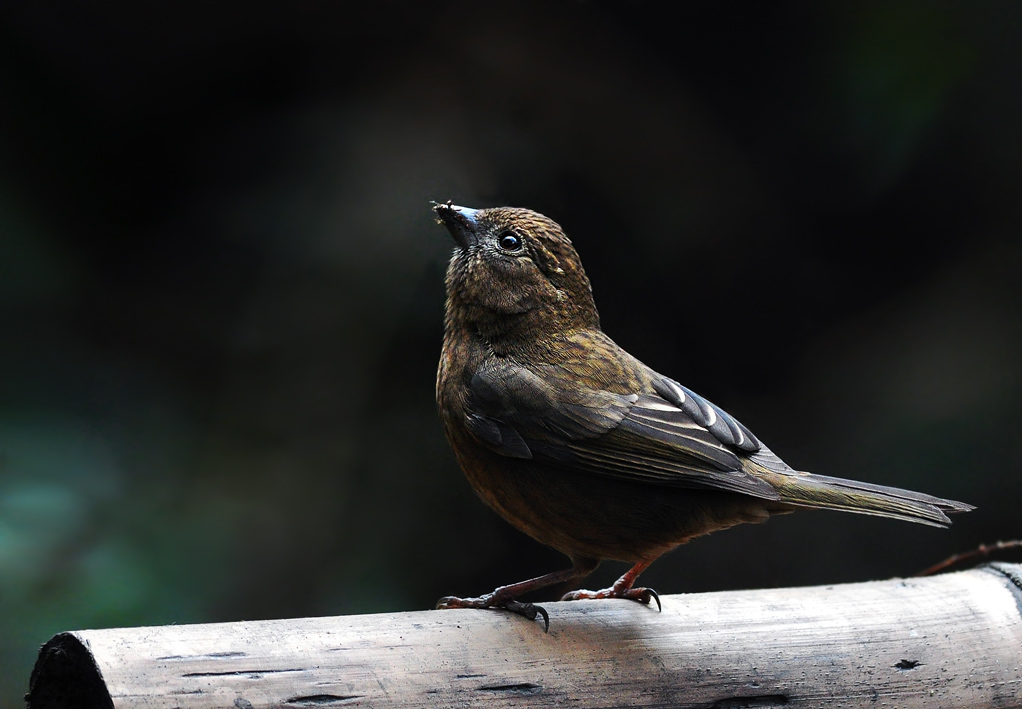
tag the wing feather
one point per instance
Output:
(643, 438)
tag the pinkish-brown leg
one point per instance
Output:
(622, 588)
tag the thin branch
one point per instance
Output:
(982, 551)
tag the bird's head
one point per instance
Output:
(514, 270)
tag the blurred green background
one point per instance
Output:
(221, 284)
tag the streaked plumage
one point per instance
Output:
(579, 444)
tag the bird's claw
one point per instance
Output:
(455, 602)
(527, 610)
(530, 611)
(642, 595)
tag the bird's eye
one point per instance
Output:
(509, 242)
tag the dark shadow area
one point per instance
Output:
(66, 677)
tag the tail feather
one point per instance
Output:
(822, 491)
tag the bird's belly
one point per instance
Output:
(591, 516)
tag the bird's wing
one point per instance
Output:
(668, 437)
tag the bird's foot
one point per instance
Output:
(497, 600)
(642, 595)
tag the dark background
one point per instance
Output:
(221, 285)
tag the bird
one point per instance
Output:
(577, 443)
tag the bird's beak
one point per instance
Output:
(460, 221)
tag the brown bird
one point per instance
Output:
(582, 446)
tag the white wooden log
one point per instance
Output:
(947, 641)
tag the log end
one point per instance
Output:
(66, 675)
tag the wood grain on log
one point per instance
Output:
(947, 641)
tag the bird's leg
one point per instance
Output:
(622, 588)
(504, 596)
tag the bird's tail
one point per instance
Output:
(824, 492)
